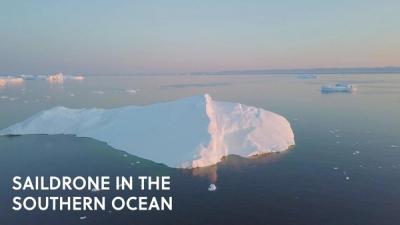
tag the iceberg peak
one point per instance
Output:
(191, 132)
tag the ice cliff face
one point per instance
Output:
(191, 132)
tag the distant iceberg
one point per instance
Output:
(187, 133)
(60, 78)
(9, 80)
(77, 77)
(52, 78)
(56, 78)
(131, 91)
(306, 76)
(338, 88)
(41, 77)
(27, 77)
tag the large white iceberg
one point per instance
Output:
(190, 132)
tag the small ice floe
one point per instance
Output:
(395, 146)
(4, 97)
(77, 77)
(339, 87)
(346, 176)
(57, 78)
(334, 131)
(356, 152)
(82, 218)
(12, 98)
(94, 190)
(71, 95)
(41, 77)
(335, 168)
(98, 92)
(137, 162)
(306, 76)
(27, 77)
(212, 187)
(125, 155)
(131, 91)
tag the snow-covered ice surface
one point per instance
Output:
(191, 132)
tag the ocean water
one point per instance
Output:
(344, 169)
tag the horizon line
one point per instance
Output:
(249, 71)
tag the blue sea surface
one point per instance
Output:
(344, 168)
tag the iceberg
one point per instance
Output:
(41, 77)
(131, 91)
(76, 77)
(187, 133)
(27, 77)
(56, 78)
(10, 81)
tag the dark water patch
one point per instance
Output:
(195, 85)
(299, 186)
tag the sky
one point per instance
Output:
(149, 36)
